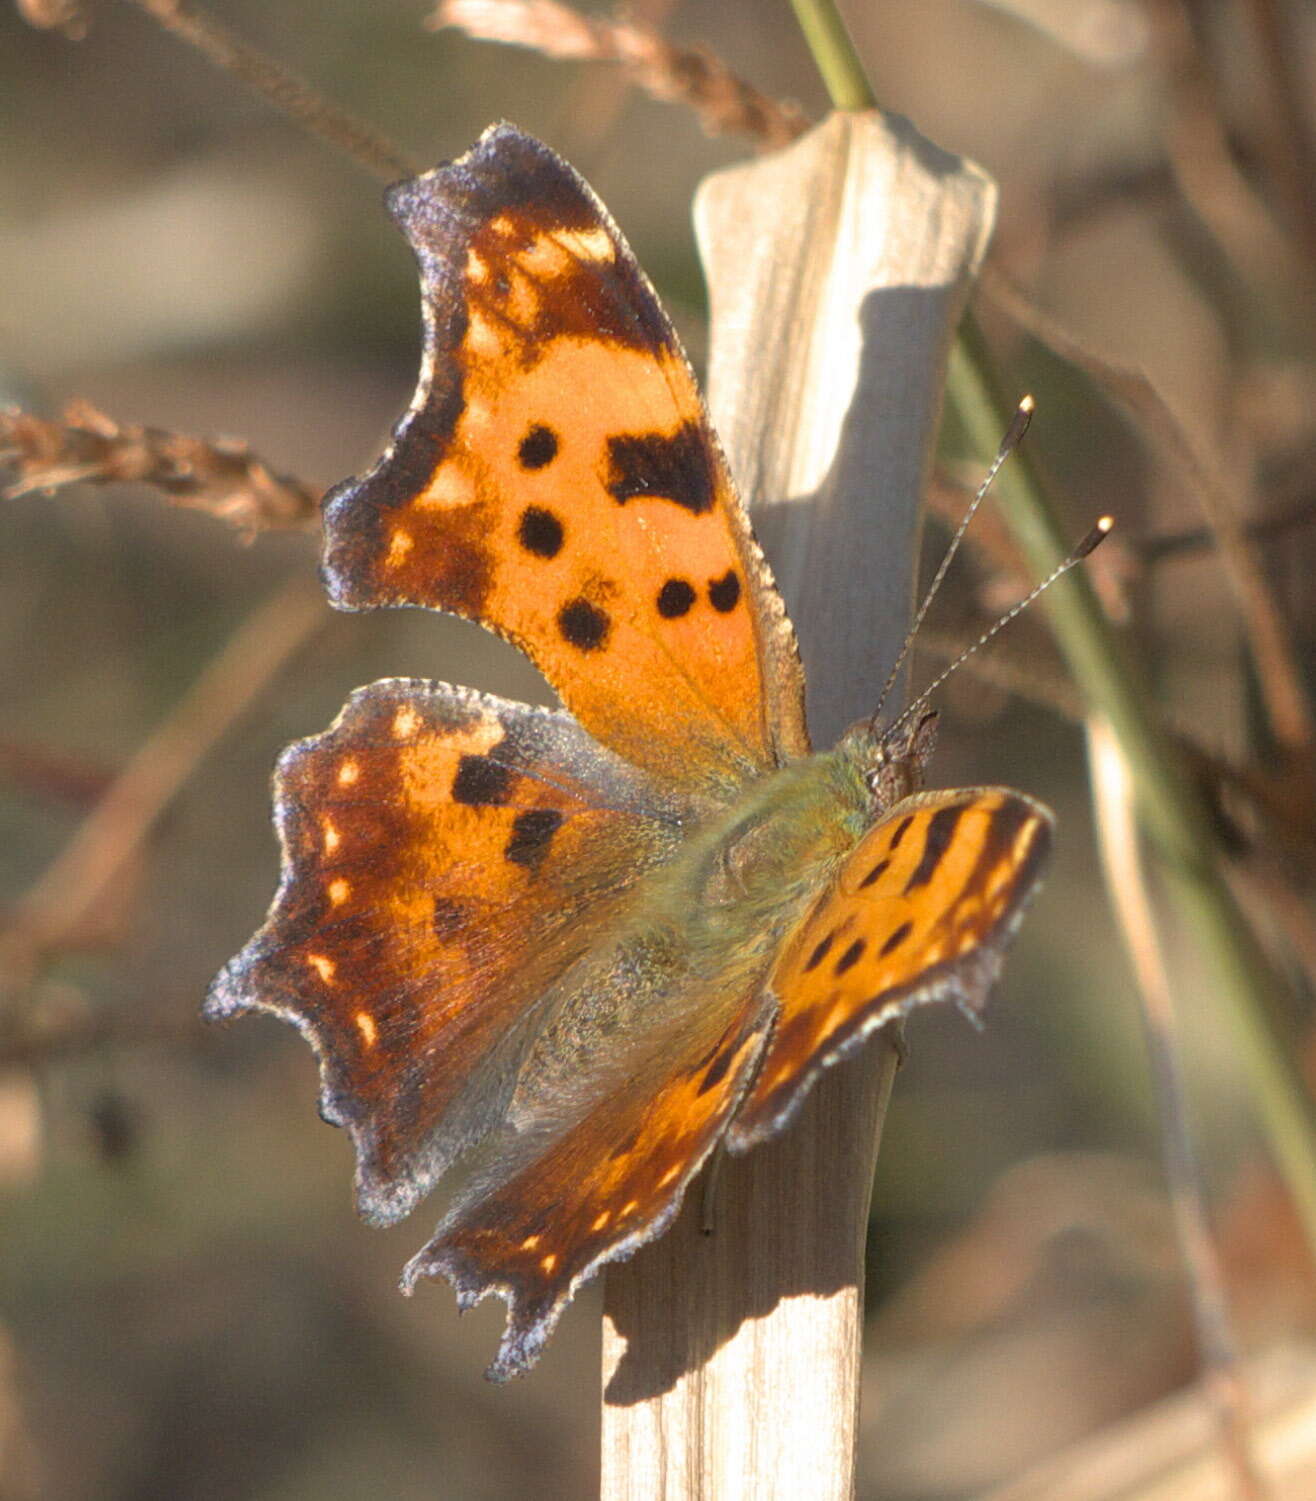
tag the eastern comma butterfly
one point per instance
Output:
(581, 948)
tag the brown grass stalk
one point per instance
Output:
(1202, 160)
(1280, 677)
(116, 829)
(219, 476)
(292, 95)
(1118, 840)
(1290, 151)
(694, 76)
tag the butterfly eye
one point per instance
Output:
(897, 771)
(886, 783)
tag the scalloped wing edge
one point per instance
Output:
(379, 1200)
(784, 685)
(528, 1330)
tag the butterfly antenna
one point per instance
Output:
(1094, 538)
(1014, 434)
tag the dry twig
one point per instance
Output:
(222, 477)
(266, 75)
(1202, 160)
(694, 76)
(118, 825)
(68, 16)
(59, 1021)
(1276, 526)
(1290, 151)
(1125, 880)
(1278, 672)
(52, 774)
(281, 87)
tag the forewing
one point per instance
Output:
(446, 855)
(557, 480)
(920, 911)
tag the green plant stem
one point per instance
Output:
(834, 55)
(1170, 809)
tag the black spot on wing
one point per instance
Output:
(820, 953)
(675, 599)
(481, 782)
(717, 1070)
(895, 939)
(532, 833)
(538, 448)
(675, 466)
(877, 872)
(941, 830)
(902, 828)
(851, 957)
(724, 593)
(540, 532)
(584, 625)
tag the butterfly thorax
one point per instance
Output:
(750, 869)
(769, 846)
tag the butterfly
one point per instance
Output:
(576, 950)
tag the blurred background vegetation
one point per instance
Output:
(188, 1305)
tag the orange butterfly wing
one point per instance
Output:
(921, 910)
(415, 925)
(523, 937)
(553, 1208)
(557, 480)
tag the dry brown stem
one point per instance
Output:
(1202, 160)
(1282, 687)
(116, 828)
(1290, 151)
(281, 87)
(222, 476)
(59, 1021)
(1275, 526)
(68, 16)
(52, 774)
(1125, 880)
(694, 76)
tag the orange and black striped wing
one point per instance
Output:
(556, 479)
(921, 910)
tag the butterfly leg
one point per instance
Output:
(712, 1179)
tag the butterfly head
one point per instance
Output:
(894, 758)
